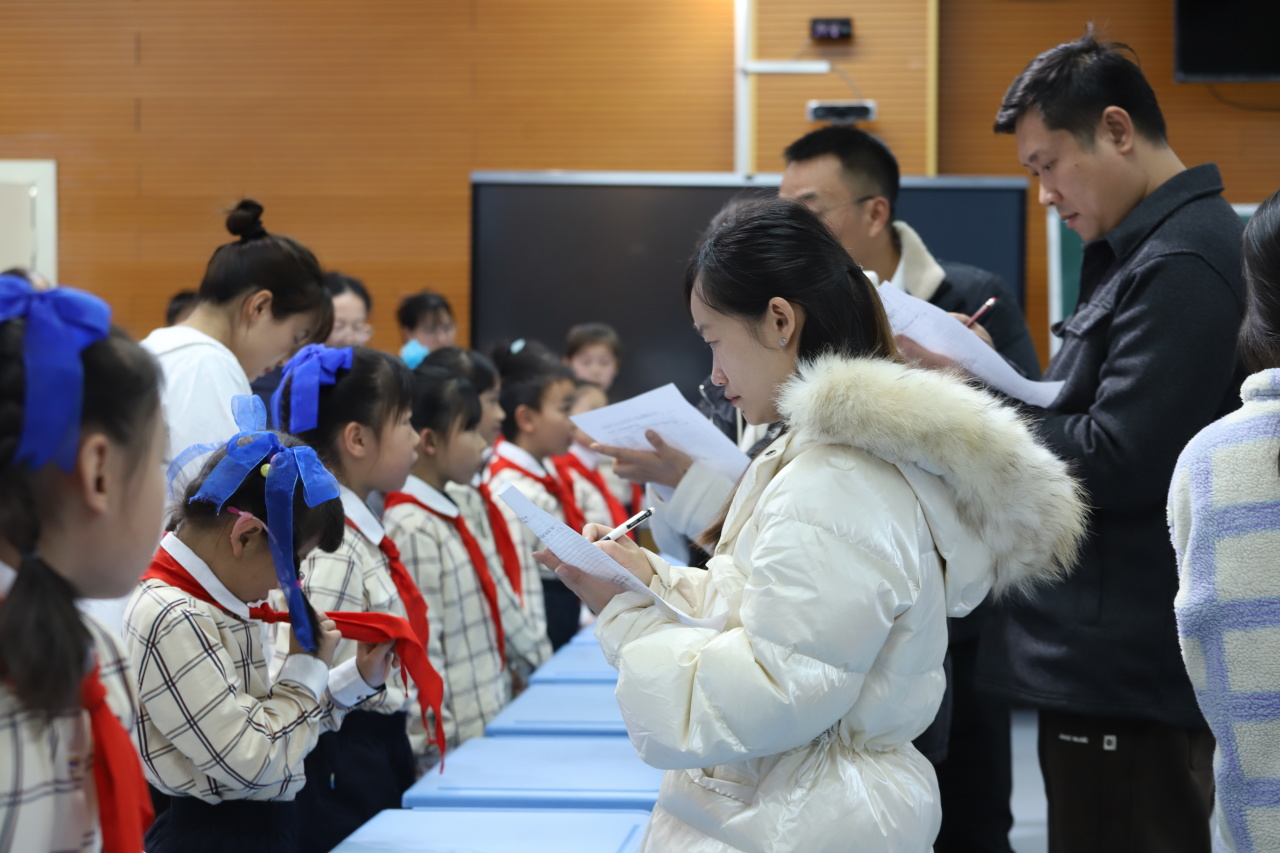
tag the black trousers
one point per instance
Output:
(1126, 786)
(189, 825)
(976, 776)
(563, 611)
(352, 774)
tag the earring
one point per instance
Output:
(782, 342)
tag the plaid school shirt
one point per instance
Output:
(357, 578)
(532, 572)
(595, 507)
(527, 645)
(48, 801)
(213, 725)
(464, 638)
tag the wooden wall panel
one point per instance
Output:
(887, 61)
(985, 43)
(357, 124)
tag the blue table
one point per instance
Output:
(576, 663)
(539, 773)
(484, 831)
(560, 709)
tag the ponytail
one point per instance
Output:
(44, 644)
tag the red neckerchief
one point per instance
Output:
(414, 604)
(359, 627)
(502, 541)
(569, 462)
(555, 486)
(474, 551)
(124, 801)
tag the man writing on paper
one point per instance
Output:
(1148, 359)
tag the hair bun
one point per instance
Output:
(245, 221)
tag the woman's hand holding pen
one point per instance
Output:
(594, 592)
(664, 464)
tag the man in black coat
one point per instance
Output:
(1148, 359)
(850, 179)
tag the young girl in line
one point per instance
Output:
(477, 624)
(594, 483)
(221, 737)
(262, 297)
(475, 500)
(81, 496)
(536, 395)
(354, 407)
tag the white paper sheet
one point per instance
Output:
(573, 549)
(665, 411)
(937, 331)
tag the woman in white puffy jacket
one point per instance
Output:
(895, 497)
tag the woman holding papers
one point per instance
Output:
(893, 498)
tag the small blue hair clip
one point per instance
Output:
(60, 324)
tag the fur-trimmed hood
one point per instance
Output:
(994, 496)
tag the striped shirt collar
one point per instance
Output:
(510, 452)
(359, 514)
(204, 576)
(430, 496)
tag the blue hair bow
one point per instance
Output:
(313, 365)
(60, 323)
(287, 466)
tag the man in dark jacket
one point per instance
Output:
(1148, 359)
(850, 179)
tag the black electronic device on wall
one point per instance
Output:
(1226, 40)
(551, 249)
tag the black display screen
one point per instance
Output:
(1223, 40)
(548, 255)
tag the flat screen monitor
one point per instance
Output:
(1226, 40)
(550, 250)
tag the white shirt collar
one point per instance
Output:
(204, 576)
(588, 456)
(7, 576)
(899, 277)
(359, 514)
(430, 496)
(510, 452)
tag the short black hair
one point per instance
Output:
(180, 305)
(337, 284)
(1071, 84)
(860, 154)
(584, 335)
(418, 307)
(475, 367)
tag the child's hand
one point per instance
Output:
(327, 642)
(376, 662)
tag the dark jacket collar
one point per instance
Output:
(1146, 216)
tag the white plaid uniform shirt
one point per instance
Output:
(464, 639)
(48, 801)
(357, 578)
(527, 644)
(212, 724)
